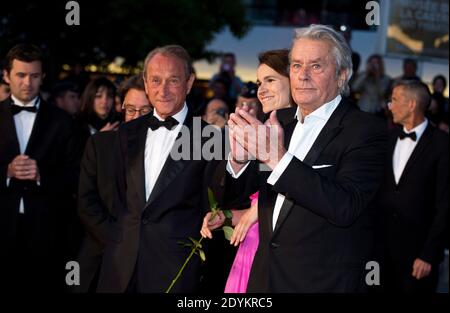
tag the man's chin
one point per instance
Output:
(27, 98)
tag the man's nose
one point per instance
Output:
(27, 80)
(164, 88)
(303, 73)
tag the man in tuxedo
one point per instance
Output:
(37, 178)
(323, 165)
(413, 200)
(66, 96)
(96, 186)
(161, 199)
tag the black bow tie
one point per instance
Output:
(17, 109)
(168, 123)
(402, 135)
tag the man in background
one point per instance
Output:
(96, 188)
(37, 178)
(413, 199)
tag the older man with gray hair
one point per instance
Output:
(161, 196)
(324, 168)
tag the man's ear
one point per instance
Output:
(190, 82)
(342, 78)
(412, 105)
(6, 76)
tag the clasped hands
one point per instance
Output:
(250, 138)
(24, 168)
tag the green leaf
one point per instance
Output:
(202, 255)
(212, 200)
(196, 243)
(228, 232)
(228, 214)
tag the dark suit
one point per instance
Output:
(33, 244)
(323, 236)
(414, 212)
(144, 254)
(95, 202)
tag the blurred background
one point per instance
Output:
(115, 35)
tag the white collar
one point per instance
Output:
(419, 129)
(35, 102)
(323, 112)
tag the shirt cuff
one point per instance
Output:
(231, 171)
(280, 168)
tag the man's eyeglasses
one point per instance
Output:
(131, 109)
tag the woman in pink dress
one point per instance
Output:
(274, 93)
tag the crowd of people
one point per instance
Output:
(328, 169)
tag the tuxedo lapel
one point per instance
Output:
(136, 173)
(390, 158)
(288, 131)
(288, 122)
(171, 168)
(284, 212)
(40, 137)
(266, 206)
(8, 130)
(329, 131)
(420, 148)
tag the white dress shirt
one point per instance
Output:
(24, 122)
(303, 137)
(404, 148)
(158, 145)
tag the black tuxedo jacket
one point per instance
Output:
(414, 212)
(144, 253)
(95, 202)
(37, 234)
(323, 236)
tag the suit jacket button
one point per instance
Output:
(144, 221)
(274, 245)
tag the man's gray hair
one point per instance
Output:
(416, 90)
(340, 49)
(171, 50)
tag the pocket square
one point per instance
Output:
(321, 166)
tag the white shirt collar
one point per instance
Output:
(419, 129)
(34, 102)
(324, 111)
(180, 116)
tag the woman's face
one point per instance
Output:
(103, 102)
(438, 85)
(274, 90)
